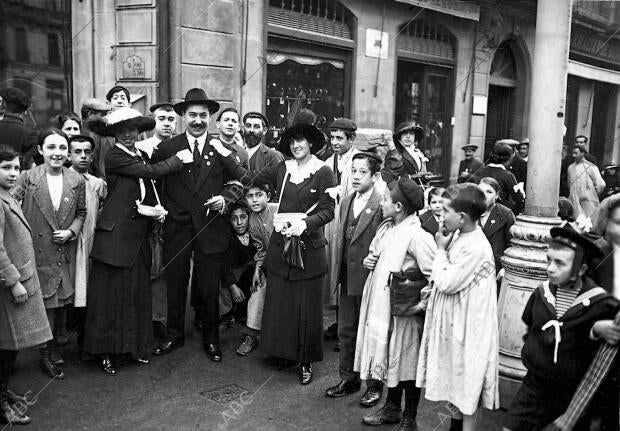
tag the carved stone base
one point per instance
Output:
(525, 264)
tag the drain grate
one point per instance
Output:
(225, 394)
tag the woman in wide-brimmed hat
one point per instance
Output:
(407, 137)
(292, 325)
(118, 316)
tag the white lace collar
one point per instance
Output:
(298, 174)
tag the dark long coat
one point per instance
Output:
(15, 134)
(497, 231)
(265, 157)
(21, 325)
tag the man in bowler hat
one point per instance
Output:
(193, 198)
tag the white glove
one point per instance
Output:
(296, 228)
(219, 147)
(185, 156)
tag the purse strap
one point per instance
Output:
(143, 191)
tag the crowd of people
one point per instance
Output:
(110, 220)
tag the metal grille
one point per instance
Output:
(426, 38)
(326, 17)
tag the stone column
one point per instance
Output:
(525, 261)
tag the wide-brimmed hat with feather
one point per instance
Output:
(408, 126)
(312, 134)
(122, 118)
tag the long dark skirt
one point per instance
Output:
(292, 326)
(119, 309)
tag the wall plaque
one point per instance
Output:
(133, 68)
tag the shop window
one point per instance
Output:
(297, 81)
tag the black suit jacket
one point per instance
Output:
(603, 272)
(518, 167)
(121, 231)
(184, 197)
(497, 231)
(15, 134)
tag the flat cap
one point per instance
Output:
(156, 106)
(412, 192)
(345, 124)
(470, 147)
(511, 142)
(96, 104)
(15, 96)
(254, 114)
(369, 154)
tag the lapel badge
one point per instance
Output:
(367, 210)
(206, 157)
(210, 153)
(492, 221)
(208, 163)
(586, 302)
(66, 199)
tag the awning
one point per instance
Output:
(461, 9)
(278, 58)
(594, 73)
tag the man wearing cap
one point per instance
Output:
(13, 131)
(228, 125)
(510, 195)
(566, 317)
(255, 127)
(93, 110)
(119, 97)
(195, 225)
(470, 165)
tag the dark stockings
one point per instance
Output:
(412, 398)
(7, 360)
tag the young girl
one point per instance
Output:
(434, 215)
(401, 250)
(23, 322)
(53, 201)
(458, 359)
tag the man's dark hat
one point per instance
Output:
(569, 237)
(412, 192)
(502, 151)
(197, 96)
(470, 147)
(156, 106)
(116, 89)
(409, 126)
(313, 135)
(15, 96)
(345, 124)
(255, 114)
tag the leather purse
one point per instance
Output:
(292, 252)
(405, 291)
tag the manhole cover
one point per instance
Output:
(225, 394)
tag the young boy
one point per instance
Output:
(260, 228)
(360, 215)
(459, 354)
(118, 97)
(81, 155)
(566, 318)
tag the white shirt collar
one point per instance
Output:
(252, 151)
(124, 148)
(364, 196)
(496, 165)
(201, 140)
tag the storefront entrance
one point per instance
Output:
(422, 96)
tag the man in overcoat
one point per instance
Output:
(13, 131)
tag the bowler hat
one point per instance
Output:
(345, 124)
(408, 126)
(16, 97)
(312, 134)
(156, 106)
(123, 117)
(255, 114)
(197, 96)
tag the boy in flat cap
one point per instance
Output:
(13, 131)
(469, 166)
(566, 317)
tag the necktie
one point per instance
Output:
(197, 159)
(336, 171)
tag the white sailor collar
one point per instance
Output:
(298, 174)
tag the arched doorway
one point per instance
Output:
(506, 110)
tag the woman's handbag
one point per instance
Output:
(292, 252)
(156, 211)
(405, 291)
